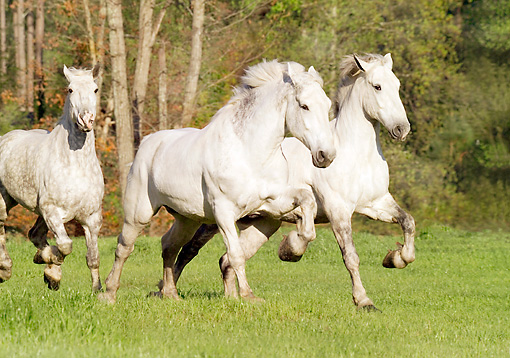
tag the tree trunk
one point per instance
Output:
(162, 104)
(96, 47)
(30, 63)
(122, 108)
(38, 69)
(194, 63)
(3, 39)
(21, 59)
(146, 38)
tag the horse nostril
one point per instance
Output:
(321, 157)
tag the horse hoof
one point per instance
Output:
(393, 260)
(5, 275)
(48, 255)
(292, 247)
(52, 284)
(106, 297)
(370, 308)
(162, 295)
(288, 256)
(52, 276)
(38, 257)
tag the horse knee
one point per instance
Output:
(65, 248)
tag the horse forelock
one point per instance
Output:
(80, 72)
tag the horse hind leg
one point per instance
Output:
(202, 236)
(386, 209)
(91, 226)
(179, 234)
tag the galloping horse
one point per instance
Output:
(231, 168)
(56, 175)
(357, 181)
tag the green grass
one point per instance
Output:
(453, 301)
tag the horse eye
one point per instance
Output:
(97, 89)
(377, 87)
(305, 107)
(70, 90)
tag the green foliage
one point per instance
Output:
(451, 302)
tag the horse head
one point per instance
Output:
(381, 99)
(307, 113)
(81, 98)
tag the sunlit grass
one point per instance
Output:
(453, 301)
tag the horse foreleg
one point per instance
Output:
(253, 233)
(51, 255)
(203, 235)
(343, 234)
(125, 246)
(386, 209)
(294, 245)
(226, 224)
(91, 226)
(179, 234)
(5, 260)
(45, 254)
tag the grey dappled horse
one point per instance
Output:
(56, 175)
(357, 181)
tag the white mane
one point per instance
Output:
(267, 72)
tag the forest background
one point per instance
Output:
(173, 63)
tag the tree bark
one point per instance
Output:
(122, 108)
(162, 93)
(146, 38)
(38, 69)
(30, 62)
(194, 63)
(21, 59)
(3, 39)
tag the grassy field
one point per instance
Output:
(453, 301)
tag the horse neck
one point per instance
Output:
(263, 130)
(354, 129)
(69, 138)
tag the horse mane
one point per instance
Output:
(349, 72)
(266, 72)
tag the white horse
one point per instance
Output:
(357, 181)
(231, 168)
(56, 175)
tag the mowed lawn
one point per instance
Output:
(453, 301)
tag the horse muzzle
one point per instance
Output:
(85, 121)
(322, 159)
(400, 132)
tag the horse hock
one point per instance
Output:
(292, 247)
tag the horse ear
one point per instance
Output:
(358, 63)
(67, 73)
(96, 70)
(388, 61)
(312, 70)
(287, 75)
